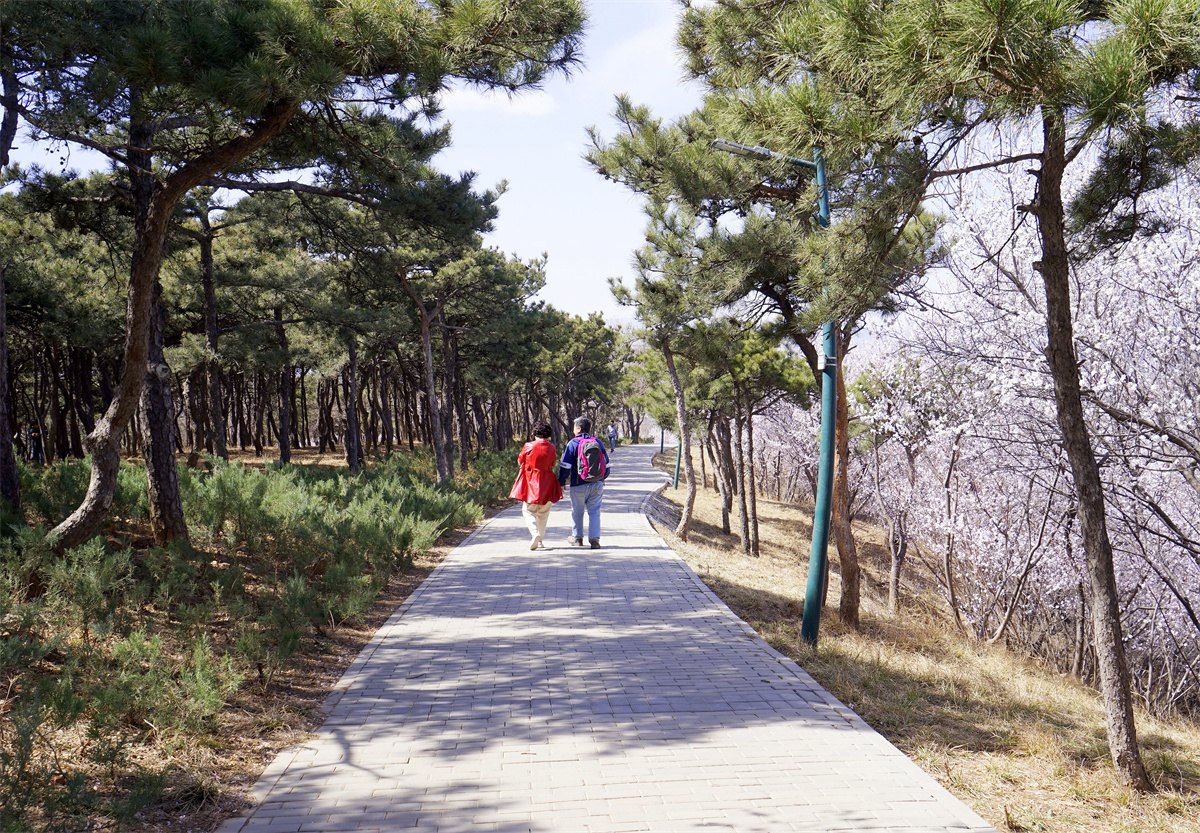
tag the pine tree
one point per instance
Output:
(1058, 82)
(179, 92)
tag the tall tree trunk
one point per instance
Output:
(194, 424)
(354, 454)
(752, 482)
(10, 481)
(70, 389)
(1089, 491)
(58, 411)
(948, 549)
(450, 371)
(843, 533)
(104, 444)
(212, 335)
(481, 427)
(723, 467)
(444, 471)
(739, 464)
(685, 439)
(260, 403)
(385, 404)
(286, 379)
(85, 403)
(158, 439)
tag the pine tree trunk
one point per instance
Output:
(70, 388)
(10, 481)
(350, 391)
(481, 426)
(752, 483)
(685, 439)
(843, 532)
(450, 369)
(286, 379)
(104, 444)
(260, 402)
(385, 405)
(723, 468)
(158, 439)
(212, 334)
(1089, 491)
(194, 424)
(739, 464)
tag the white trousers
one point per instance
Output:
(536, 515)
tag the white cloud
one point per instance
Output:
(536, 103)
(648, 65)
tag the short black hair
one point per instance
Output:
(541, 429)
(583, 424)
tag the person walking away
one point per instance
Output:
(612, 436)
(585, 465)
(536, 485)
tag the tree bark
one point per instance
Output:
(1089, 491)
(435, 418)
(739, 467)
(10, 481)
(286, 379)
(752, 482)
(843, 533)
(350, 385)
(104, 444)
(685, 439)
(450, 373)
(212, 334)
(158, 439)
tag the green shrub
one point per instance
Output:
(89, 582)
(121, 643)
(53, 492)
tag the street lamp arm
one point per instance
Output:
(758, 152)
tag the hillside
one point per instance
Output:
(1023, 746)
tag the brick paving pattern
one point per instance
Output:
(572, 689)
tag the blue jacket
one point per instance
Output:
(567, 468)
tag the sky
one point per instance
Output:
(555, 204)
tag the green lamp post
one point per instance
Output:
(814, 594)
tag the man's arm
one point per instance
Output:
(567, 463)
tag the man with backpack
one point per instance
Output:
(585, 464)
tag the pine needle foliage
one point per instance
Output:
(111, 654)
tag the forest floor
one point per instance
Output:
(1020, 744)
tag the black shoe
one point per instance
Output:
(595, 542)
(576, 542)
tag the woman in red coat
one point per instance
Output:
(537, 482)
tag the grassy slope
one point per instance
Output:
(1024, 746)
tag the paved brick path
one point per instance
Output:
(577, 690)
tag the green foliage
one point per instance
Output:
(133, 648)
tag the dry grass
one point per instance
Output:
(1023, 746)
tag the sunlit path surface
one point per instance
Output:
(573, 689)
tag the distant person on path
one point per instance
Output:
(536, 486)
(585, 465)
(612, 436)
(36, 452)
